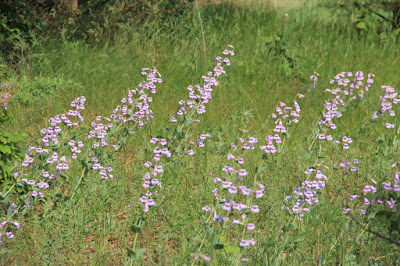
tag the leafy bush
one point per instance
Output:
(97, 19)
(368, 15)
(17, 24)
(75, 20)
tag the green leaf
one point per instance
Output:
(261, 169)
(137, 228)
(362, 25)
(269, 39)
(137, 254)
(232, 249)
(216, 243)
(5, 149)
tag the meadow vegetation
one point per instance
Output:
(285, 153)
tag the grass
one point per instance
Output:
(95, 227)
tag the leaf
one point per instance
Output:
(216, 243)
(362, 25)
(261, 169)
(137, 228)
(5, 149)
(183, 223)
(188, 135)
(219, 246)
(232, 249)
(137, 254)
(269, 39)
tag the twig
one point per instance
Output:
(373, 232)
(376, 13)
(202, 32)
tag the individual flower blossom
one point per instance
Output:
(347, 210)
(368, 189)
(148, 164)
(250, 226)
(17, 224)
(226, 184)
(232, 190)
(242, 172)
(244, 243)
(391, 203)
(206, 208)
(255, 209)
(388, 125)
(387, 186)
(43, 185)
(353, 197)
(366, 201)
(227, 206)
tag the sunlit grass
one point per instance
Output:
(97, 228)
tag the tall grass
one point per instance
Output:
(95, 228)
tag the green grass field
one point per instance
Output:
(86, 220)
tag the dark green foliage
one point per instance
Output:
(17, 24)
(96, 20)
(10, 151)
(369, 16)
(93, 21)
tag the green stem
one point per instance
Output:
(9, 190)
(201, 245)
(80, 180)
(134, 242)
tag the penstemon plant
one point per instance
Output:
(235, 205)
(348, 87)
(174, 142)
(376, 206)
(67, 148)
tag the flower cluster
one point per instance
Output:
(54, 163)
(307, 193)
(285, 116)
(233, 200)
(387, 101)
(9, 234)
(52, 160)
(352, 84)
(133, 111)
(385, 196)
(349, 166)
(138, 111)
(348, 85)
(199, 96)
(150, 178)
